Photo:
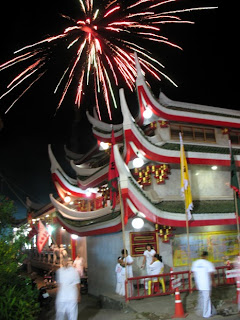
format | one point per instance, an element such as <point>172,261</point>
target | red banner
<point>43,236</point>
<point>112,176</point>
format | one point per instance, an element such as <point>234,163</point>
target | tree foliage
<point>17,298</point>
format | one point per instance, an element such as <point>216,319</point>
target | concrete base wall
<point>103,251</point>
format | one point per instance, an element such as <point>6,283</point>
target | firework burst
<point>102,42</point>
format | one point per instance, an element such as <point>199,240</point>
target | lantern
<point>166,239</point>
<point>136,171</point>
<point>161,233</point>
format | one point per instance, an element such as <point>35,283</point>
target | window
<point>234,136</point>
<point>190,133</point>
<point>198,134</point>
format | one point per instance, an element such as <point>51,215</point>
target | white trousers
<point>69,308</point>
<point>148,273</point>
<point>205,307</point>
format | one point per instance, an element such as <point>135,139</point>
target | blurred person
<point>237,269</point>
<point>79,265</point>
<point>203,272</point>
<point>68,294</point>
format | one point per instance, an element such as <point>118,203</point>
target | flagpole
<point>123,236</point>
<point>186,214</point>
<point>188,249</point>
<point>237,218</point>
<point>235,196</point>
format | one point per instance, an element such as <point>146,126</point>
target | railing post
<point>190,281</point>
<point>126,290</point>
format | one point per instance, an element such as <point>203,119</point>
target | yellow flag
<point>185,183</point>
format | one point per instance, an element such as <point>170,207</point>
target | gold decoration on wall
<point>159,172</point>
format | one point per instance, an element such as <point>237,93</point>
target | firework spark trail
<point>102,42</point>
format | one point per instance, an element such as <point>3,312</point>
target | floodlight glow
<point>88,193</point>
<point>147,113</point>
<point>138,162</point>
<point>137,223</point>
<point>67,199</point>
<point>50,229</point>
<point>104,145</point>
<point>214,167</point>
<point>74,236</point>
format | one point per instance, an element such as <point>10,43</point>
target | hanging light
<point>137,223</point>
<point>138,162</point>
<point>147,113</point>
<point>104,145</point>
<point>74,236</point>
<point>88,193</point>
<point>67,199</point>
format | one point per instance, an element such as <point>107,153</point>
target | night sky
<point>205,72</point>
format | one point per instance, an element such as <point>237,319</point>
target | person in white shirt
<point>129,270</point>
<point>79,265</point>
<point>68,294</point>
<point>203,271</point>
<point>118,270</point>
<point>129,262</point>
<point>121,277</point>
<point>156,267</point>
<point>237,269</point>
<point>147,260</point>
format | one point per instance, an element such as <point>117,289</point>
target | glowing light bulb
<point>147,113</point>
<point>138,162</point>
<point>137,223</point>
<point>67,199</point>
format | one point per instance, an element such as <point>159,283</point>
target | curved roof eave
<point>67,187</point>
<point>155,215</point>
<point>95,180</point>
<point>106,137</point>
<point>81,171</point>
<point>78,215</point>
<point>158,152</point>
<point>110,226</point>
<point>56,167</point>
<point>107,127</point>
<point>162,108</point>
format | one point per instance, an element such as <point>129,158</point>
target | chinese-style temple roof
<point>92,168</point>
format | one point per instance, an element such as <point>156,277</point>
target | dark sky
<point>205,72</point>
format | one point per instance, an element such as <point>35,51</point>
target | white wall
<point>102,252</point>
<point>205,184</point>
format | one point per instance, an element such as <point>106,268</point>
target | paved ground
<point>156,308</point>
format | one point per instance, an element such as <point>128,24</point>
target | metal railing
<point>164,284</point>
